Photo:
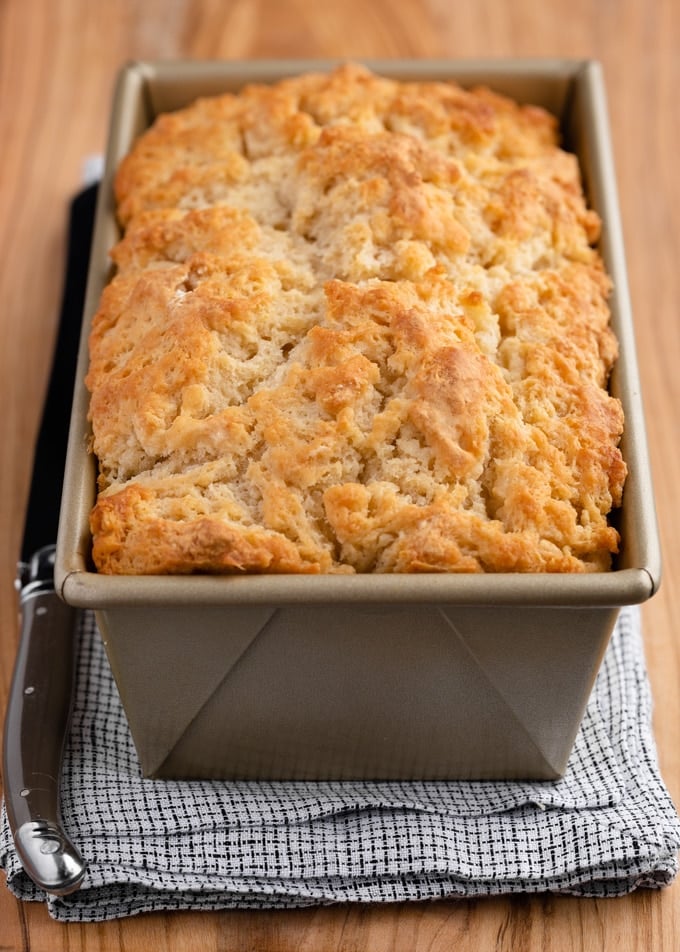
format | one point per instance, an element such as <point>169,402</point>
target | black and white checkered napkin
<point>606,828</point>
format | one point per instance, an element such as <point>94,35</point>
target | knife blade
<point>39,705</point>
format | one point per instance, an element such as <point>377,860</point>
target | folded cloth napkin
<point>606,828</point>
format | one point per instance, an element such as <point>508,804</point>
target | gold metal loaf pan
<point>375,676</point>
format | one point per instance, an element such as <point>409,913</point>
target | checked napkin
<point>606,828</point>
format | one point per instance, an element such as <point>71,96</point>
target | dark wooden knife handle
<point>36,723</point>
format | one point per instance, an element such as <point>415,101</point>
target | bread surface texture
<point>355,325</point>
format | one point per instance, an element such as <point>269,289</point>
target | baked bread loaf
<point>356,325</point>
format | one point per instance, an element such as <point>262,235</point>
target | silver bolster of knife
<point>36,723</point>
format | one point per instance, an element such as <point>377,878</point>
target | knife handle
<point>36,722</point>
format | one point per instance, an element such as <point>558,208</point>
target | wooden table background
<point>58,60</point>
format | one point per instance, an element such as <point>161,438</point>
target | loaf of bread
<point>355,325</point>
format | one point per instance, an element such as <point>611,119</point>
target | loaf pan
<point>365,676</point>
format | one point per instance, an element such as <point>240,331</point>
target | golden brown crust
<point>356,325</point>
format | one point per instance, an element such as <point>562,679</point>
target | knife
<point>38,710</point>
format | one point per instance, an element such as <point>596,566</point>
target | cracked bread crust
<point>356,325</point>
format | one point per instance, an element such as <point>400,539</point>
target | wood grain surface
<point>58,61</point>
